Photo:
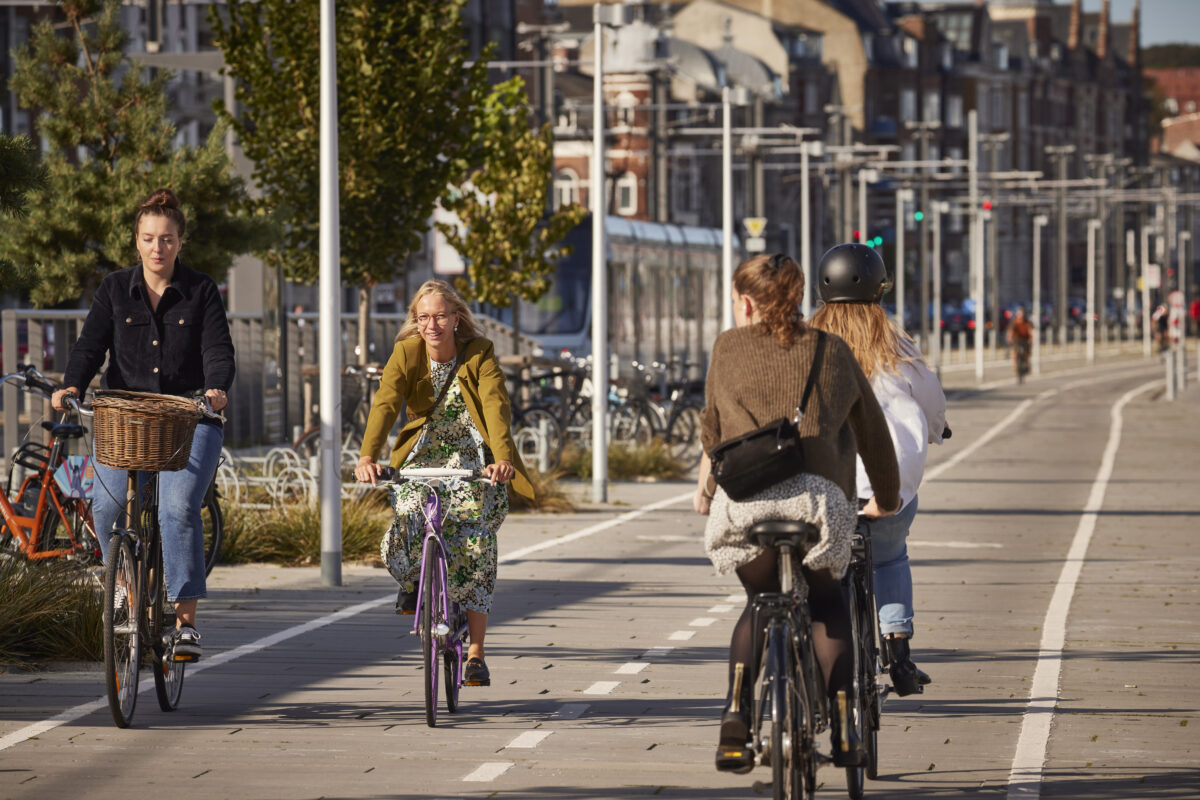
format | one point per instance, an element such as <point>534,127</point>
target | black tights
<point>830,621</point>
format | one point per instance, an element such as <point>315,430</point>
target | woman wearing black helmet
<point>851,279</point>
<point>757,373</point>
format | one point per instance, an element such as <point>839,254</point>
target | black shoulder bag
<point>768,455</point>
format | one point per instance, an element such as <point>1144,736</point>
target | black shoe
<point>923,677</point>
<point>848,750</point>
<point>905,675</point>
<point>734,753</point>
<point>476,673</point>
<point>187,644</point>
<point>406,602</point>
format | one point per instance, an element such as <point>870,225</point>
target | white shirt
<point>915,407</point>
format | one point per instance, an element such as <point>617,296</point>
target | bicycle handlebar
<point>392,474</point>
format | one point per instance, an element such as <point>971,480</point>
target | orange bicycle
<point>48,515</point>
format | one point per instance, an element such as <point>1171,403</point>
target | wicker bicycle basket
<point>143,431</point>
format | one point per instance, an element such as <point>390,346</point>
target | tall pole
<point>1093,230</point>
<point>899,268</point>
<point>1040,221</point>
<point>329,246</point>
<point>936,340</point>
<point>1146,348</point>
<point>1061,285</point>
<point>862,204</point>
<point>923,249</point>
<point>805,233</point>
<point>599,276</point>
<point>726,211</point>
<point>976,245</point>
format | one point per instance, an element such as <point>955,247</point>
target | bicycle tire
<point>630,424</point>
<point>122,630</point>
<point>777,675</point>
<point>79,520</point>
<point>452,683</point>
<point>214,528</point>
<point>683,436</point>
<point>857,711</point>
<point>168,673</point>
<point>429,650</point>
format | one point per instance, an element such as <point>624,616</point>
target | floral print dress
<point>471,510</point>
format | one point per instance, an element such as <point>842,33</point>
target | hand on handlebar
<point>500,472</point>
<point>367,470</point>
<point>217,399</point>
<point>57,400</point>
<point>872,509</point>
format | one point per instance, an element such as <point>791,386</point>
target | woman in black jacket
<point>163,328</point>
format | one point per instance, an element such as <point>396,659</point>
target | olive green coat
<point>406,381</point>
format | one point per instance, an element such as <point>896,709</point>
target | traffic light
<point>918,215</point>
<point>858,236</point>
<point>878,240</point>
<point>987,205</point>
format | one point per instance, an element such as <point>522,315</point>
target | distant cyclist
<point>1020,337</point>
<point>446,375</point>
<point>757,373</point>
<point>851,279</point>
<point>162,328</point>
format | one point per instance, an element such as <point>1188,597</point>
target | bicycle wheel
<point>214,528</point>
<point>683,436</point>
<point>453,673</point>
<point>777,677</point>
<point>856,713</point>
<point>630,424</point>
<point>122,624</point>
<point>55,535</point>
<point>168,673</point>
<point>431,599</point>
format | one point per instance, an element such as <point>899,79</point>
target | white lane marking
<point>602,687</point>
<point>517,555</point>
<point>702,622</point>
<point>736,598</point>
<point>570,711</point>
<point>1024,781</point>
<point>721,609</point>
<point>681,636</point>
<point>82,710</point>
<point>631,668</point>
<point>527,740</point>
<point>489,771</point>
<point>657,650</point>
<point>669,537</point>
<point>956,545</point>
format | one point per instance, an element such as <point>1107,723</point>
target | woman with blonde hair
<point>756,374</point>
<point>459,417</point>
<point>851,279</point>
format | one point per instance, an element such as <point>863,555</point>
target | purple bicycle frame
<point>453,640</point>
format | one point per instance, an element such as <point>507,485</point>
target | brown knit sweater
<point>753,379</point>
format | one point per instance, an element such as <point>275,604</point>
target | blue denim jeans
<point>893,578</point>
<point>180,496</point>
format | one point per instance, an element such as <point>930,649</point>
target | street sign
<point>754,226</point>
<point>756,244</point>
<point>1153,276</point>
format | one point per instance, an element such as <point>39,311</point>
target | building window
<point>933,106</point>
<point>954,111</point>
<point>566,188</point>
<point>627,194</point>
<point>955,154</point>
<point>908,105</point>
<point>812,98</point>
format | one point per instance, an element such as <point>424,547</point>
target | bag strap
<point>812,372</point>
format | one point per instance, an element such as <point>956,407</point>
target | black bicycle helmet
<point>851,273</point>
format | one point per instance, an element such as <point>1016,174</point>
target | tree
<point>508,241</point>
<point>19,174</point>
<point>110,144</point>
<point>406,104</point>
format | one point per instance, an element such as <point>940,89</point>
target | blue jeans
<point>893,578</point>
<point>180,497</point>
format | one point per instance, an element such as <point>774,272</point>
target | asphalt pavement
<point>1056,575</point>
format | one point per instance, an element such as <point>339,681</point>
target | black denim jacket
<point>182,347</point>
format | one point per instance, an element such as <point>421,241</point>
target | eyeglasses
<point>424,319</point>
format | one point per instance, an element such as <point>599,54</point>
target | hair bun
<point>160,198</point>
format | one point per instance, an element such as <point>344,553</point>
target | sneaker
<point>187,644</point>
<point>476,673</point>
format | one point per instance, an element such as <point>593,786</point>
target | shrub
<point>653,461</point>
<point>291,534</point>
<point>52,611</point>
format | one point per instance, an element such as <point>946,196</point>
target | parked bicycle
<point>356,392</point>
<point>40,519</point>
<point>146,433</point>
<point>440,622</point>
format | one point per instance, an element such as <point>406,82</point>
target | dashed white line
<point>570,711</point>
<point>489,771</point>
<point>681,636</point>
<point>631,668</point>
<point>657,650</point>
<point>602,687</point>
<point>702,622</point>
<point>956,545</point>
<point>527,740</point>
<point>721,609</point>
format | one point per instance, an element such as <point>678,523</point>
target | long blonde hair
<point>466,329</point>
<point>876,341</point>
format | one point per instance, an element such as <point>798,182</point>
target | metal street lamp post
<point>1040,221</point>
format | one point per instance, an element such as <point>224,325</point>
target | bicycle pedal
<point>182,658</point>
<point>125,629</point>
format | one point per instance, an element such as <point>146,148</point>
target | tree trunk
<point>364,324</point>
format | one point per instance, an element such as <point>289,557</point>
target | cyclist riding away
<point>164,330</point>
<point>1020,337</point>
<point>851,279</point>
<point>459,417</point>
<point>756,375</point>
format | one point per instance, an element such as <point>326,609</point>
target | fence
<point>267,398</point>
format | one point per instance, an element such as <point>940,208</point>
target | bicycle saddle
<point>776,532</point>
<point>64,431</point>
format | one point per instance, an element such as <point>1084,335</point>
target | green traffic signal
<point>918,215</point>
<point>878,240</point>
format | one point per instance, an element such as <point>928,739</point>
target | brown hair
<point>467,328</point>
<point>876,341</point>
<point>161,203</point>
<point>776,285</point>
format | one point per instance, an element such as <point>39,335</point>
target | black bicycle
<point>864,706</point>
<point>790,706</point>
